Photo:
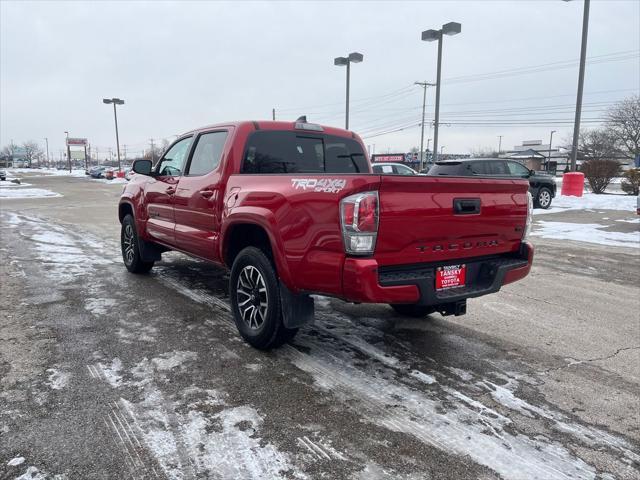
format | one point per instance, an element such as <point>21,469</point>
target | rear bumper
<point>364,281</point>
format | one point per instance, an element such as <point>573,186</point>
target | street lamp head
<point>355,57</point>
<point>106,100</point>
<point>118,101</point>
<point>430,35</point>
<point>341,61</point>
<point>451,28</point>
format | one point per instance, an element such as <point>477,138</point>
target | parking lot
<point>104,374</point>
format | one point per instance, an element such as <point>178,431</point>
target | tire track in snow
<point>511,455</point>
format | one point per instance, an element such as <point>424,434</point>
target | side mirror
<point>531,173</point>
<point>142,167</point>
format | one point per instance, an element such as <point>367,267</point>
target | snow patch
<point>100,306</point>
<point>14,462</point>
<point>172,360</point>
<point>585,232</point>
<point>111,373</point>
<point>590,201</point>
<point>57,379</point>
<point>12,193</point>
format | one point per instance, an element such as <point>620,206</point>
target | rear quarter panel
<point>301,216</point>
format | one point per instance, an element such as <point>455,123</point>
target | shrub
<point>631,183</point>
<point>599,173</point>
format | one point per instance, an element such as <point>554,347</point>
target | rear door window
<point>498,167</point>
<point>207,153</point>
<point>292,152</point>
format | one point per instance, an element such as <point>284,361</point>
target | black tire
<point>254,291</point>
<point>412,310</point>
<point>131,248</point>
<point>543,198</point>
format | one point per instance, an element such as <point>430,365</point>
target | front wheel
<point>543,199</point>
<point>131,248</point>
<point>412,310</point>
<point>254,291</point>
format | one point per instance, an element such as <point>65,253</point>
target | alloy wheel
<point>128,244</point>
<point>251,293</point>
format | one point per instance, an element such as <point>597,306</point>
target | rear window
<point>449,168</point>
<point>271,151</point>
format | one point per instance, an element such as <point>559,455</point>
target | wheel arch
<point>252,230</point>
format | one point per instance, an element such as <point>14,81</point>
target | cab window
<point>172,162</point>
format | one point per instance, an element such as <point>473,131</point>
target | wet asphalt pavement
<point>104,374</point>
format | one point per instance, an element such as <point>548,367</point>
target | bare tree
<point>484,152</point>
<point>32,152</point>
<point>623,120</point>
<point>597,144</point>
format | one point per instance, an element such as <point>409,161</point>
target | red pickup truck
<point>292,209</point>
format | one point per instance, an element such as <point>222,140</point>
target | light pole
<point>550,142</point>
<point>68,151</point>
<point>115,101</point>
<point>46,140</point>
<point>583,57</point>
<point>353,57</point>
<point>424,86</point>
<point>451,28</point>
<point>499,144</point>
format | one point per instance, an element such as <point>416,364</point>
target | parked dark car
<point>541,185</point>
<point>3,175</point>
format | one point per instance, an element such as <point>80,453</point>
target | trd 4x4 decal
<point>326,185</point>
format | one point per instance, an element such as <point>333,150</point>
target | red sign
<point>450,276</point>
<point>77,141</point>
<point>394,157</point>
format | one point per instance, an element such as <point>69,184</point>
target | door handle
<point>206,193</point>
<point>170,190</point>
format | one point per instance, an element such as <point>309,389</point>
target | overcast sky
<point>184,65</point>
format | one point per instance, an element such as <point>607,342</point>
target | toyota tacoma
<point>293,209</point>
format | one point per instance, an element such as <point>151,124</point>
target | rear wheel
<point>543,199</point>
<point>254,290</point>
<point>130,247</point>
<point>412,310</point>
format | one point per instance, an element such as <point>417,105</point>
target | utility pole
<point>273,114</point>
<point>47,142</point>
<point>550,142</point>
<point>499,144</point>
<point>424,86</point>
<point>153,154</point>
<point>68,151</point>
<point>583,56</point>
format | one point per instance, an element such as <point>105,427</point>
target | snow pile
<point>48,171</point>
<point>26,193</point>
<point>590,201</point>
<point>586,232</point>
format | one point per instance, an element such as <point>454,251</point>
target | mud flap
<point>297,310</point>
<point>149,252</point>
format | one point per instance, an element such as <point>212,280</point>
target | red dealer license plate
<point>450,276</point>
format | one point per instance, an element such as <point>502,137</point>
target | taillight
<point>359,219</point>
<point>527,227</point>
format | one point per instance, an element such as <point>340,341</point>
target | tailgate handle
<point>466,206</point>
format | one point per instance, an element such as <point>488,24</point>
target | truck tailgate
<point>432,219</point>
